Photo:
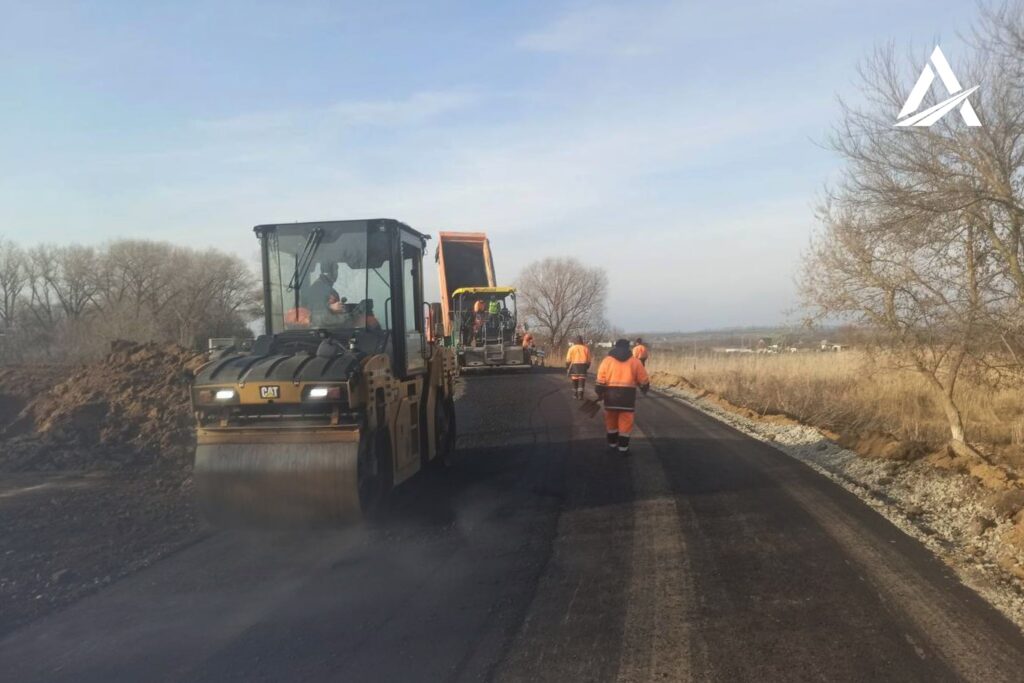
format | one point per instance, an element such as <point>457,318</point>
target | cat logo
<point>271,391</point>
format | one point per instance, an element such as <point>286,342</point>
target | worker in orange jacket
<point>577,363</point>
<point>640,351</point>
<point>479,318</point>
<point>620,375</point>
<point>529,348</point>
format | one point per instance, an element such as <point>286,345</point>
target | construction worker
<point>493,307</point>
<point>479,318</point>
<point>321,298</point>
<point>577,362</point>
<point>640,351</point>
<point>529,347</point>
<point>618,378</point>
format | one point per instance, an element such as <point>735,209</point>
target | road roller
<point>347,394</point>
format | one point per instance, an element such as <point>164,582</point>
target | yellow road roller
<point>345,396</point>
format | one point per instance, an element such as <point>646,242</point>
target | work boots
<point>577,389</point>
<point>619,442</point>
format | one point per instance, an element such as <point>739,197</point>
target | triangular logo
<point>957,96</point>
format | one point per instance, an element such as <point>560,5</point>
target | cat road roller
<point>345,396</point>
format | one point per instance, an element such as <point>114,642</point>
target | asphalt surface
<point>542,556</point>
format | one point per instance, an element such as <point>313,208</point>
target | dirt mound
<point>883,446</point>
<point>660,378</point>
<point>21,383</point>
<point>96,476</point>
<point>132,405</point>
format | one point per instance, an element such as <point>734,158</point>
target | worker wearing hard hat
<point>577,362</point>
<point>618,378</point>
<point>640,351</point>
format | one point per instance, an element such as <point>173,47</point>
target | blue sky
<point>674,143</point>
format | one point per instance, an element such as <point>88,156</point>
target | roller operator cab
<point>343,398</point>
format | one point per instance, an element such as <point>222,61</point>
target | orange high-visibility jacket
<point>640,352</point>
<point>578,353</point>
<point>617,382</point>
<point>578,360</point>
<point>527,340</point>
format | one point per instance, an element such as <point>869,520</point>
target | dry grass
<point>849,392</point>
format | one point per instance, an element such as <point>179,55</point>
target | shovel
<point>590,407</point>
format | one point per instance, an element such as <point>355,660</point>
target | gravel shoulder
<point>963,521</point>
<point>67,535</point>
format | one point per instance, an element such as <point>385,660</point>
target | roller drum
<point>275,484</point>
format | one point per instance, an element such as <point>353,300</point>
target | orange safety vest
<point>617,381</point>
<point>527,340</point>
<point>578,360</point>
<point>640,352</point>
<point>578,353</point>
<point>297,317</point>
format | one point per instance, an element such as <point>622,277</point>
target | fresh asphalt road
<point>543,556</point>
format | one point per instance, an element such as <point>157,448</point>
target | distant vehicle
<point>480,319</point>
<point>484,329</point>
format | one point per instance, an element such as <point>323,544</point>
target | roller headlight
<point>323,393</point>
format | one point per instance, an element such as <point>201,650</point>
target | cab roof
<point>484,290</point>
<point>344,224</point>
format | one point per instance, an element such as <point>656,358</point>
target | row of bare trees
<point>921,237</point>
<point>561,298</point>
<point>68,302</point>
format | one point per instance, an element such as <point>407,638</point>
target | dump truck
<point>487,338</point>
<point>342,398</point>
<point>463,260</point>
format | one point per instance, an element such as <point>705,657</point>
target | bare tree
<point>948,169</point>
<point>210,290</point>
<point>69,302</point>
<point>561,297</point>
<point>921,238</point>
<point>43,310</point>
<point>922,288</point>
<point>75,283</point>
<point>13,279</point>
<point>136,275</point>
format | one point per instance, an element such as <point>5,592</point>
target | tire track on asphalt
<point>660,595</point>
<point>573,626</point>
<point>932,612</point>
<point>967,644</point>
<point>773,542</point>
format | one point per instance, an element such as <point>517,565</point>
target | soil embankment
<point>95,465</point>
